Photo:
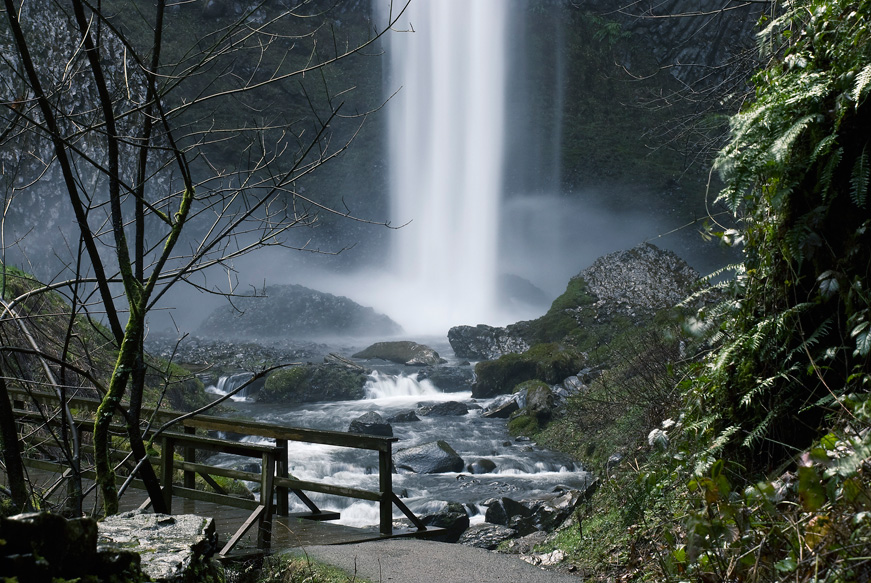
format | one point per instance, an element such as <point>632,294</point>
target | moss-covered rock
<point>539,398</point>
<point>313,382</point>
<point>523,424</point>
<point>402,352</point>
<point>550,363</point>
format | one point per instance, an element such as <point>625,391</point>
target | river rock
<point>402,352</point>
<point>371,423</point>
<point>435,457</point>
<point>481,466</point>
<point>550,363</point>
<point>408,416</point>
<point>449,379</point>
<point>544,513</point>
<point>446,409</point>
<point>484,342</point>
<point>486,536</point>
<point>294,311</point>
<point>172,548</point>
<point>310,383</point>
<point>452,518</point>
<point>501,409</point>
<point>538,398</point>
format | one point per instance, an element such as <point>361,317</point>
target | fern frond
<point>783,144</point>
<point>859,179</point>
<point>863,81</point>
<point>759,431</point>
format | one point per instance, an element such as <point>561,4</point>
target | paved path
<point>402,560</point>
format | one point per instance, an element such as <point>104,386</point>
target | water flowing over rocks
<point>171,547</point>
<point>402,352</point>
<point>294,311</point>
<point>435,457</point>
<point>450,379</point>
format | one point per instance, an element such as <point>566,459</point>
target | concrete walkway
<point>402,560</point>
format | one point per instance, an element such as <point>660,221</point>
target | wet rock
<point>450,379</point>
<point>486,536</point>
<point>550,363</point>
<point>404,417</point>
<point>539,401</point>
<point>172,547</point>
<point>402,352</point>
<point>484,342</point>
<point>446,409</point>
<point>371,423</point>
<point>313,382</point>
<point>501,409</point>
<point>434,457</point>
<point>452,518</point>
<point>481,466</point>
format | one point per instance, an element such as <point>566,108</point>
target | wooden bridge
<point>36,413</point>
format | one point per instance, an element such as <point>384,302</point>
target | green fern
<point>859,179</point>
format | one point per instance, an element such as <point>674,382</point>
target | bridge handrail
<point>274,475</point>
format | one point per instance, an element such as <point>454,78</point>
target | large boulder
<point>445,409</point>
<point>449,379</point>
<point>371,423</point>
<point>435,457</point>
<point>550,363</point>
<point>452,518</point>
<point>544,513</point>
<point>484,342</point>
<point>402,352</point>
<point>313,382</point>
<point>294,311</point>
<point>174,549</point>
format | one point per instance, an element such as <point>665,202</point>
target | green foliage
<point>292,568</point>
<point>795,330</point>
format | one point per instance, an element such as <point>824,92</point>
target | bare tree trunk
<point>12,450</point>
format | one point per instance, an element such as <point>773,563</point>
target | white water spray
<point>446,156</point>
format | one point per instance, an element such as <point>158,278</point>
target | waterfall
<point>446,156</point>
<point>229,383</point>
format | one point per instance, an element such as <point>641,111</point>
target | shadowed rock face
<point>294,311</point>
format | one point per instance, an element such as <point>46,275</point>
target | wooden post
<point>190,478</point>
<point>385,487</point>
<point>281,471</point>
<point>267,491</point>
<point>166,471</point>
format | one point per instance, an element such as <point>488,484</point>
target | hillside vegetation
<point>757,464</point>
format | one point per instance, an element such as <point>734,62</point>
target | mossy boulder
<point>539,398</point>
<point>550,363</point>
<point>523,424</point>
<point>402,352</point>
<point>313,382</point>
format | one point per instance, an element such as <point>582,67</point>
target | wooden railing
<point>276,484</point>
